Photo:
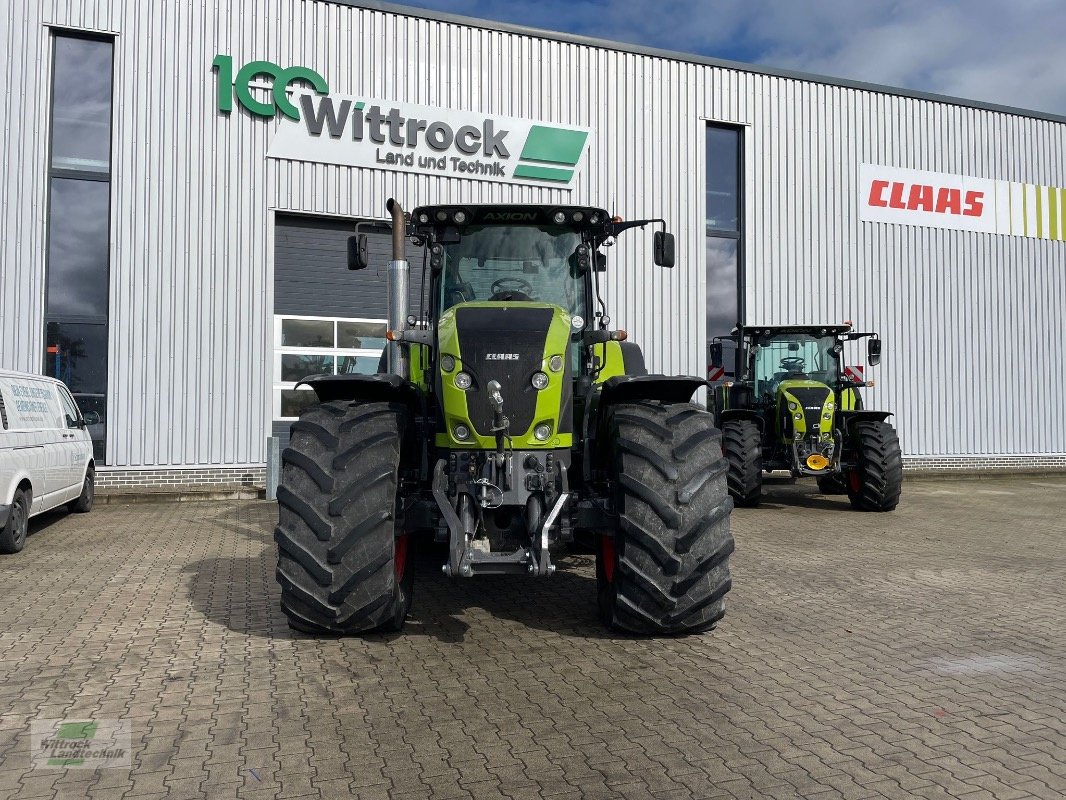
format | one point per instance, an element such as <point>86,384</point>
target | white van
<point>46,454</point>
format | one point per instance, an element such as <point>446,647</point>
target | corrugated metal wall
<point>193,195</point>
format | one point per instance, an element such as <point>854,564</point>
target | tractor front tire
<point>875,483</point>
<point>666,569</point>
<point>742,446</point>
<point>342,560</point>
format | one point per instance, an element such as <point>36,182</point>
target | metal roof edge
<point>691,58</point>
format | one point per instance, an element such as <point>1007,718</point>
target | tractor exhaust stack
<point>399,275</point>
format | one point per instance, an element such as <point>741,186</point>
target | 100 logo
<point>239,87</point>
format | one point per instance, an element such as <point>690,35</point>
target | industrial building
<point>180,180</point>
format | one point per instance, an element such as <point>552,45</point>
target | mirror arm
<point>615,228</point>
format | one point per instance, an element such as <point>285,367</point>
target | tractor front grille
<point>811,400</point>
<point>504,344</point>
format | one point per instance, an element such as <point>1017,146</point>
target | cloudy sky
<point>999,51</point>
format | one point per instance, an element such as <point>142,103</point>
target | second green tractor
<point>796,407</point>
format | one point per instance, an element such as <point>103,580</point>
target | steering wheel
<point>511,289</point>
<point>793,364</point>
<point>501,285</point>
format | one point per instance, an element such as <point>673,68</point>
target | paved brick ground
<point>919,654</point>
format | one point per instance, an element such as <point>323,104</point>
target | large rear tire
<point>876,482</point>
<point>742,446</point>
<point>666,569</point>
<point>342,559</point>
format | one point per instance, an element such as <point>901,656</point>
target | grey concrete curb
<point>105,497</point>
<point>992,475</point>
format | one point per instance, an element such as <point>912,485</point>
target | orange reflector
<point>848,322</point>
<point>620,335</point>
<point>871,383</point>
<point>392,336</point>
<point>817,461</point>
<point>53,349</point>
<point>616,219</point>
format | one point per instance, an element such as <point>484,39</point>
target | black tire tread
<point>742,445</point>
<point>336,525</point>
<point>673,541</point>
<point>880,467</point>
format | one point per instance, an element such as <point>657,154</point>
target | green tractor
<point>506,418</point>
<point>796,407</point>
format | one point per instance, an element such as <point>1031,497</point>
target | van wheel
<point>13,536</point>
<point>84,504</point>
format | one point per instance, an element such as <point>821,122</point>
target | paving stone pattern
<point>918,654</point>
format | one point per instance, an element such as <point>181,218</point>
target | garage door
<point>327,319</point>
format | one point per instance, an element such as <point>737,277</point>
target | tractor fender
<point>746,414</point>
<point>380,388</point>
<point>628,389</point>
<point>849,418</point>
<point>668,388</point>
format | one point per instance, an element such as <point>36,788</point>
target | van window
<point>32,404</point>
<point>3,411</point>
<point>70,410</point>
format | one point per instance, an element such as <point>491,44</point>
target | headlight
<point>539,380</point>
<point>578,216</point>
<point>462,433</point>
<point>542,432</point>
<point>827,415</point>
<point>798,415</point>
<point>423,218</point>
<point>463,381</point>
<point>460,217</point>
<point>829,405</point>
<point>555,363</point>
<point>447,363</point>
<point>559,218</point>
<point>791,406</point>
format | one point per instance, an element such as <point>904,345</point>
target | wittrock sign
<point>319,126</point>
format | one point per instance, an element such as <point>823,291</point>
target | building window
<point>79,202</point>
<point>724,224</point>
<point>306,346</point>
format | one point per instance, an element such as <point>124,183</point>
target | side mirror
<point>663,248</point>
<point>599,262</point>
<point>716,354</point>
<point>873,352</point>
<point>357,252</point>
